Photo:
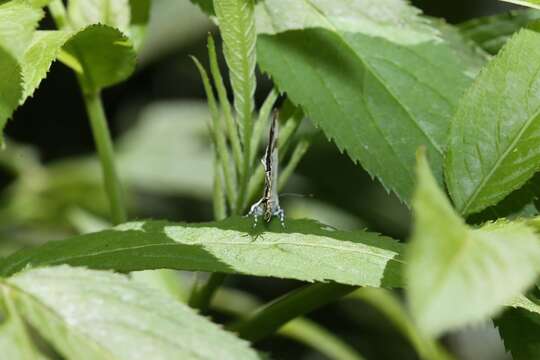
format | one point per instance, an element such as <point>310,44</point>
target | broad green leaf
<point>305,250</point>
<point>520,331</point>
<point>457,275</point>
<point>115,13</point>
<point>88,314</point>
<point>18,21</point>
<point>492,32</point>
<point>372,18</point>
<point>11,87</point>
<point>464,48</point>
<point>378,93</point>
<point>494,136</point>
<point>38,58</point>
<point>103,54</point>
<point>529,3</point>
<point>389,305</point>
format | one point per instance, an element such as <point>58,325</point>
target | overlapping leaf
<point>520,330</point>
<point>103,53</point>
<point>376,78</point>
<point>495,138</point>
<point>457,275</point>
<point>17,23</point>
<point>305,250</point>
<point>529,3</point>
<point>88,314</point>
<point>492,32</point>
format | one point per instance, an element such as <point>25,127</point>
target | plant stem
<point>58,13</point>
<point>201,298</point>
<point>297,155</point>
<point>269,318</point>
<point>104,145</point>
<point>305,331</point>
<point>100,130</point>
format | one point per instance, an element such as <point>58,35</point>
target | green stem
<point>305,331</point>
<point>58,13</point>
<point>104,145</point>
<point>297,155</point>
<point>269,318</point>
<point>220,210</point>
<point>201,298</point>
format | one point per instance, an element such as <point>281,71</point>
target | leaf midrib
<point>499,161</point>
<point>377,76</point>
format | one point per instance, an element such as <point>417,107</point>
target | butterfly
<point>268,205</point>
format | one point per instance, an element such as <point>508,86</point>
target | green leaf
<point>494,137</point>
<point>103,54</point>
<point>89,314</point>
<point>492,32</point>
<point>11,87</point>
<point>237,28</point>
<point>520,330</point>
<point>18,21</point>
<point>38,58</point>
<point>379,93</point>
<point>305,250</point>
<point>529,3</point>
<point>115,13</point>
<point>457,275</point>
<point>376,19</point>
<point>15,342</point>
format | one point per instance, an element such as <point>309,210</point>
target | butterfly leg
<point>281,214</point>
<point>256,210</point>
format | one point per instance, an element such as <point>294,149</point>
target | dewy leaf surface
<point>495,137</point>
<point>305,250</point>
<point>457,275</point>
<point>376,92</point>
<point>87,314</point>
